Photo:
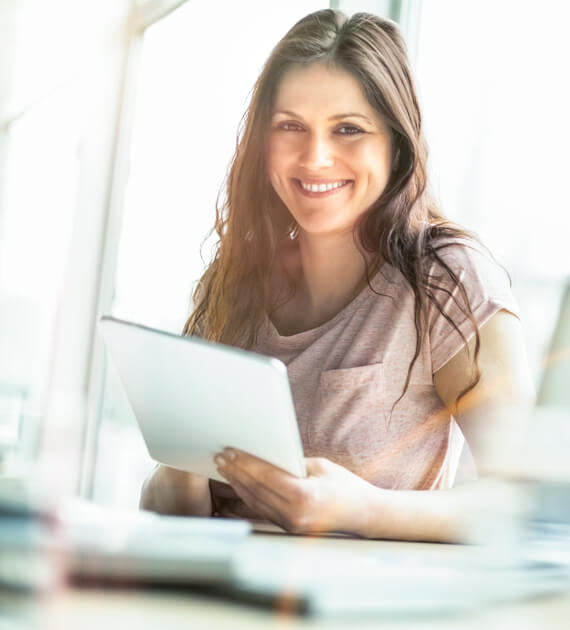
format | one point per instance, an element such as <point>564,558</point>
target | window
<point>57,116</point>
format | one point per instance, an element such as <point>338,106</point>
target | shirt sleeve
<point>487,287</point>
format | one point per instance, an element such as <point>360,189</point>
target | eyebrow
<point>335,117</point>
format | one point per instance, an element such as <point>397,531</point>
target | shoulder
<point>463,253</point>
<point>468,287</point>
<point>467,264</point>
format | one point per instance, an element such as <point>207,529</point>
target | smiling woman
<point>399,331</point>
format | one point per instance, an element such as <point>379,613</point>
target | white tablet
<point>192,398</point>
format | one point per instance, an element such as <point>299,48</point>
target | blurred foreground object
<point>43,544</point>
<point>27,530</point>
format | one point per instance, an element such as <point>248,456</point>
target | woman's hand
<point>330,498</point>
<point>171,491</point>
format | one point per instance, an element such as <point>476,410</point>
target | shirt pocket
<point>349,414</point>
<point>347,379</point>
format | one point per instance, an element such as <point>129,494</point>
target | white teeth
<point>322,187</point>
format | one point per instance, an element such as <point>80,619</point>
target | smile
<point>322,187</point>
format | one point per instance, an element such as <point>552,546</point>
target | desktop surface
<point>122,606</point>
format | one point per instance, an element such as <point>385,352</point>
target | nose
<point>316,152</point>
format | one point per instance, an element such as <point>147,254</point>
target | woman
<point>396,326</point>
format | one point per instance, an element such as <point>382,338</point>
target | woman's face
<point>328,150</point>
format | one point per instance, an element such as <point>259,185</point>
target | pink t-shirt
<point>346,374</point>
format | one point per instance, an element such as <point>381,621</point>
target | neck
<point>333,273</point>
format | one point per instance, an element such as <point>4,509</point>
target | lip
<point>326,193</point>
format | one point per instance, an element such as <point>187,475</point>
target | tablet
<point>192,398</point>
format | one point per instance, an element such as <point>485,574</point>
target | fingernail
<point>220,460</point>
<point>230,454</point>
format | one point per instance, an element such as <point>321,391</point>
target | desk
<point>69,608</point>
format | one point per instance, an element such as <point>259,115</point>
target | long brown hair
<point>403,227</point>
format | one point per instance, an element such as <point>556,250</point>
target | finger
<point>255,503</point>
<point>254,486</point>
<point>279,481</point>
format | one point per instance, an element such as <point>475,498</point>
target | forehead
<point>318,87</point>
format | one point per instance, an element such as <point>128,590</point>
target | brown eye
<point>290,126</point>
<point>349,130</point>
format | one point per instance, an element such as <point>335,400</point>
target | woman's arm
<point>171,491</point>
<point>505,386</point>
<point>333,499</point>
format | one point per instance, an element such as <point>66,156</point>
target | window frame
<point>140,18</point>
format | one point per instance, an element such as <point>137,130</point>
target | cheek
<point>280,159</point>
<point>376,160</point>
